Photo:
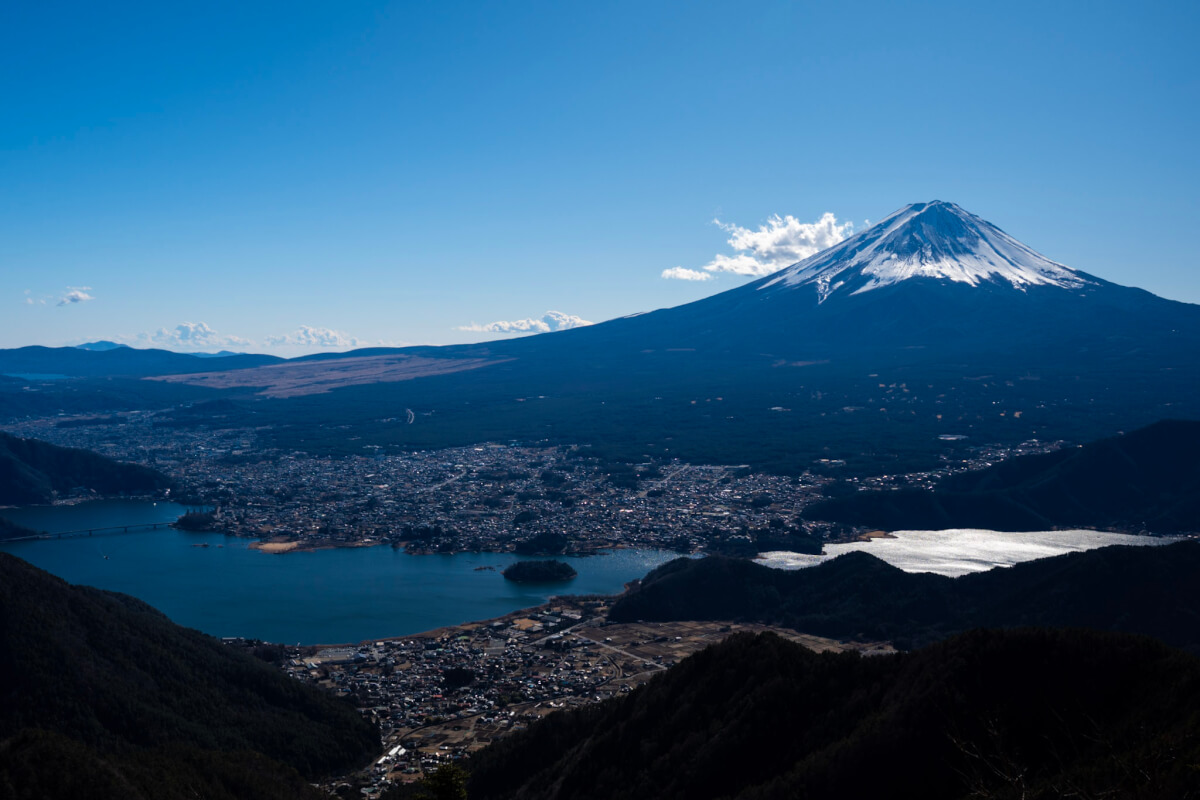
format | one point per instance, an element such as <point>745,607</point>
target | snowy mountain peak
<point>935,240</point>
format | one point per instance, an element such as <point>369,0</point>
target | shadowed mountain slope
<point>1143,590</point>
<point>1145,480</point>
<point>100,681</point>
<point>998,714</point>
<point>31,471</point>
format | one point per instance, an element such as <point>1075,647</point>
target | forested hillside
<point>31,471</point>
<point>996,714</point>
<point>102,696</point>
<point>1146,590</point>
<point>1145,480</point>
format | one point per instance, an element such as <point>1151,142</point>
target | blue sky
<point>289,176</point>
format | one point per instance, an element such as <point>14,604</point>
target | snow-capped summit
<point>935,240</point>
<point>929,282</point>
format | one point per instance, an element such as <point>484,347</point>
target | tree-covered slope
<point>1145,480</point>
<point>11,530</point>
<point>40,765</point>
<point>115,680</point>
<point>1146,590</point>
<point>32,470</point>
<point>997,714</point>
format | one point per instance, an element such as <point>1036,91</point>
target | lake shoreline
<point>953,552</point>
<point>229,589</point>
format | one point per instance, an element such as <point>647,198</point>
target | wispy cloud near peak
<point>550,321</point>
<point>781,242</point>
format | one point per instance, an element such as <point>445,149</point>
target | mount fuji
<point>931,241</point>
<point>880,353</point>
<point>928,281</point>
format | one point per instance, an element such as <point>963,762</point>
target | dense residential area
<point>440,696</point>
<point>490,497</point>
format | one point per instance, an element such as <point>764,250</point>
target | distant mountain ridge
<point>91,361</point>
<point>100,346</point>
<point>1146,480</point>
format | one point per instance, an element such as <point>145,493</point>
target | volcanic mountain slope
<point>930,322</point>
<point>929,280</point>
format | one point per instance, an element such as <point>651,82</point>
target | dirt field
<point>315,377</point>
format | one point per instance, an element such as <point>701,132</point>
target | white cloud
<point>550,321</point>
<point>780,243</point>
<point>685,274</point>
<point>309,336</point>
<point>191,336</point>
<point>75,294</point>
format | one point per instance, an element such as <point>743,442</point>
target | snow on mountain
<point>936,240</point>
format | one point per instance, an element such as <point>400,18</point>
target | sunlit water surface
<point>959,551</point>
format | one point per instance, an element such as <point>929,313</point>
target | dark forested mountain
<point>1145,480</point>
<point>1145,590</point>
<point>31,471</point>
<point>11,530</point>
<point>997,714</point>
<point>101,696</point>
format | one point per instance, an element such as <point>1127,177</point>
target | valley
<point>489,497</point>
<point>448,693</point>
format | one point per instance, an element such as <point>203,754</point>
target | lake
<point>959,551</point>
<point>95,514</point>
<point>319,597</point>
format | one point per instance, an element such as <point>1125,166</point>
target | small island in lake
<point>539,571</point>
<point>198,521</point>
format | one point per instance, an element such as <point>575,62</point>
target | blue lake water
<point>94,514</point>
<point>319,597</point>
<point>37,376</point>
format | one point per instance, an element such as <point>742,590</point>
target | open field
<point>294,379</point>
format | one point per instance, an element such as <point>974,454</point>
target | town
<point>486,498</point>
<point>441,695</point>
